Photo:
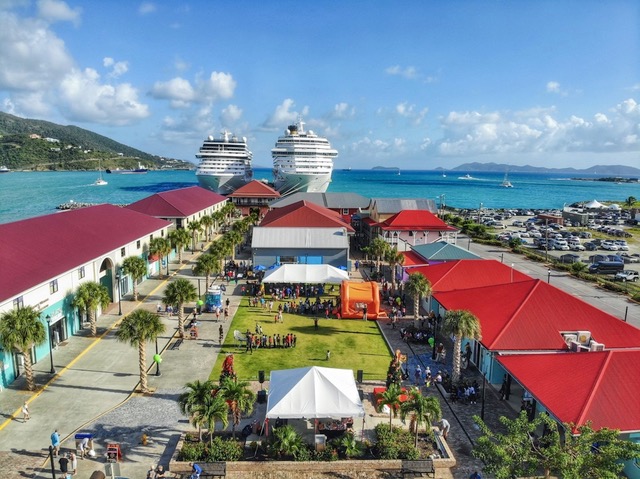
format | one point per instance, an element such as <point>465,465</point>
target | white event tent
<point>313,393</point>
<point>594,205</point>
<point>306,273</point>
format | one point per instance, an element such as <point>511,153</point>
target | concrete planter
<point>353,468</point>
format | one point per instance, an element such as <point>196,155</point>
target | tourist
<point>84,447</point>
<point>440,353</point>
<point>64,465</point>
<point>418,375</point>
<point>221,334</point>
<point>73,463</point>
<point>55,442</point>
<point>444,428</point>
<point>196,470</point>
<point>364,312</point>
<point>328,355</point>
<point>25,412</point>
<point>467,356</point>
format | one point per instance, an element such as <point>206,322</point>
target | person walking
<point>418,375</point>
<point>64,465</point>
<point>444,428</point>
<point>328,356</point>
<point>73,463</point>
<point>25,412</point>
<point>364,312</point>
<point>221,334</point>
<point>55,442</point>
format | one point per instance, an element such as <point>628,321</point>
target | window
<point>123,252</point>
<point>138,244</point>
<point>345,211</point>
<point>18,303</point>
<point>53,286</point>
<point>81,272</point>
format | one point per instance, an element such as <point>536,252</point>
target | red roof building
<point>600,387</point>
<point>415,227</point>
<point>254,196</point>
<point>36,250</point>
<point>305,214</point>
<point>467,273</point>
<point>533,316</point>
<point>182,206</point>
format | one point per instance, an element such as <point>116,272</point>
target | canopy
<point>305,273</point>
<point>592,205</point>
<point>313,392</point>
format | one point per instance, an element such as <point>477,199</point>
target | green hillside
<point>76,148</point>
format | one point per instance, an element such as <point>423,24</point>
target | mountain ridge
<point>602,170</point>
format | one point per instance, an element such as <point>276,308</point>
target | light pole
<point>512,272</point>
<point>53,465</point>
<point>549,275</point>
<point>469,244</point>
<point>156,357</point>
<point>53,370</point>
<point>118,277</point>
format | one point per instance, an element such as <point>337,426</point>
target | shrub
<point>191,451</point>
<point>224,450</point>
<point>394,444</point>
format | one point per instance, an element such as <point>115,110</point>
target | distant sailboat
<point>100,181</point>
<point>444,175</point>
<point>505,182</point>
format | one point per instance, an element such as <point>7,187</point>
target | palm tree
<point>630,201</point>
<point>286,441</point>
<point>378,248</point>
<point>194,227</point>
<point>179,238</point>
<point>461,324</point>
<point>137,329</point>
<point>160,247</point>
<point>206,265</point>
<point>136,267</point>
<point>21,330</point>
<point>218,218</point>
<point>390,397</point>
<point>239,397</point>
<point>418,286</point>
<point>207,222</point>
<point>393,257</point>
<point>234,238</point>
<point>422,409</point>
<point>89,296</point>
<point>214,408</point>
<point>178,293</point>
<point>191,400</point>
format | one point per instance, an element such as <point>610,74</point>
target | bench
<point>176,345</point>
<point>418,468</point>
<point>214,469</point>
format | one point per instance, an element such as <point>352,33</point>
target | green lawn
<point>353,344</point>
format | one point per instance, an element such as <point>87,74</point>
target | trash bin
<point>262,397</point>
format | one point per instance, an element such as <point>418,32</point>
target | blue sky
<point>415,84</point>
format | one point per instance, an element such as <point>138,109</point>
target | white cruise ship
<point>225,163</point>
<point>302,161</point>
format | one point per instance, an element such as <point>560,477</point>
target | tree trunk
<point>416,307</point>
<point>457,346</point>
<point>142,363</point>
<point>28,370</point>
<point>92,322</point>
<point>135,290</point>
<point>181,320</point>
<point>180,254</point>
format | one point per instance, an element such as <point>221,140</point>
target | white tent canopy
<point>313,392</point>
<point>595,204</point>
<point>306,273</point>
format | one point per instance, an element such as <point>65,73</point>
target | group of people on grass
<point>261,340</point>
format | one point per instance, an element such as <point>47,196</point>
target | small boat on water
<point>467,177</point>
<point>4,169</point>
<point>505,182</point>
<point>444,175</point>
<point>100,181</point>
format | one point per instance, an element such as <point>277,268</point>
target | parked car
<point>610,246</point>
<point>606,267</point>
<point>569,258</point>
<point>591,246</point>
<point>576,247</point>
<point>627,275</point>
<point>627,258</point>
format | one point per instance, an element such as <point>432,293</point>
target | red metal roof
<point>255,189</point>
<point>600,387</point>
<point>40,249</point>
<point>468,273</point>
<point>532,315</point>
<point>415,220</point>
<point>412,258</point>
<point>177,203</point>
<point>305,214</point>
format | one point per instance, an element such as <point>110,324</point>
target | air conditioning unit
<point>569,338</point>
<point>595,346</point>
<point>574,346</point>
<point>584,337</point>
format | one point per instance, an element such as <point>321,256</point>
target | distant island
<point>609,171</point>
<point>392,168</point>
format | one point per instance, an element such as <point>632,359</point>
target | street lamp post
<point>118,277</point>
<point>549,275</point>
<point>53,370</point>
<point>53,464</point>
<point>469,244</point>
<point>158,373</point>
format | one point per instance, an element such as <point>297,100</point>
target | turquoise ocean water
<point>27,194</point>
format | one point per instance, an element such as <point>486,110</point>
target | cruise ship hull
<point>222,184</point>
<point>288,183</point>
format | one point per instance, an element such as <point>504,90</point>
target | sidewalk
<point>96,377</point>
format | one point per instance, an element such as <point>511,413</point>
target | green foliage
<point>88,297</point>
<point>217,450</point>
<point>394,443</point>
<point>285,442</point>
<point>192,451</point>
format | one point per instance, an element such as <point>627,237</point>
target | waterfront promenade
<point>94,386</point>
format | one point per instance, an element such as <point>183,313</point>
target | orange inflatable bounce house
<point>355,295</point>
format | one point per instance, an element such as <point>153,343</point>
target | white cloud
<point>32,57</point>
<point>284,116</point>
<point>230,115</point>
<point>472,133</point>
<point>410,112</point>
<point>182,93</point>
<point>410,72</point>
<point>342,110</point>
<point>146,8</point>
<point>553,87</point>
<point>84,98</point>
<point>178,90</point>
<point>218,85</point>
<point>117,68</point>
<point>55,11</point>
